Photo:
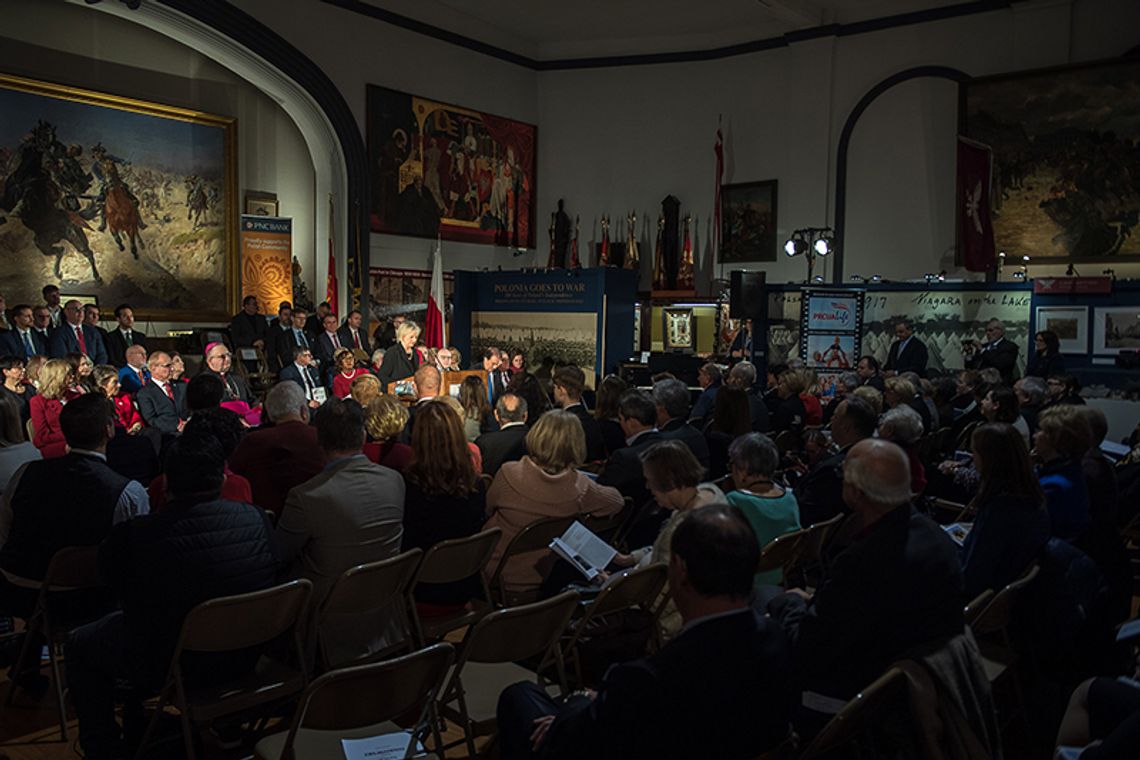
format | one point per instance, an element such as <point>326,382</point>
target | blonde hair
<point>900,386</point>
<point>34,366</point>
<point>406,328</point>
<point>793,382</point>
<point>872,396</point>
<point>385,417</point>
<point>451,403</point>
<point>364,388</point>
<point>557,442</point>
<point>54,378</point>
<point>1067,429</point>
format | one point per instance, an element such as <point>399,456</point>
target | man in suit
<point>709,377</point>
<point>352,333</point>
<point>75,336</point>
<point>727,660</point>
<point>162,403</point>
<point>671,398</point>
<point>637,415</point>
<point>328,341</point>
<point>135,374</point>
<point>41,324</point>
<point>301,372</point>
<point>248,329</point>
<point>279,338</point>
<point>123,336</point>
<point>278,458</point>
<point>867,369</point>
<point>508,443</point>
<point>491,362</point>
<point>23,340</point>
<point>91,317</point>
<point>568,383</point>
<point>907,353</point>
<point>819,491</point>
<point>996,352</point>
<point>51,297</point>
<point>296,335</point>
<point>743,376</point>
<point>349,514</point>
<point>897,585</point>
<point>316,321</point>
<point>427,381</point>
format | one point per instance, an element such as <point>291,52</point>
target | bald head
<point>427,380</point>
<point>876,479</point>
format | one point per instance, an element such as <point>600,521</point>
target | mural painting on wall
<point>129,200</point>
<point>748,222</point>
<point>1066,159</point>
<point>403,291</point>
<point>443,169</point>
<point>942,319</point>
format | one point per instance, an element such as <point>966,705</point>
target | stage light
<point>824,245</point>
<point>796,245</point>
<point>818,279</point>
<point>1025,258</point>
<point>1019,275</point>
<point>876,278</point>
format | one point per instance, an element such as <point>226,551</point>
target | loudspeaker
<point>746,295</point>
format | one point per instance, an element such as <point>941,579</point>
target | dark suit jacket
<point>503,445</point>
<point>236,387</point>
<point>1046,366</point>
<point>623,469</point>
<point>323,350</point>
<point>292,373</point>
<point>12,345</point>
<point>278,347</point>
<point>117,346</point>
<point>913,359</point>
<point>595,444</point>
<point>397,366</point>
<point>679,430</point>
<point>876,382</point>
<point>1002,357</point>
<point>346,338</point>
<point>758,412</point>
<point>63,341</point>
<point>286,342</point>
<point>819,492</point>
<point>663,706</point>
<point>244,329</point>
<point>158,411</point>
<point>898,585</point>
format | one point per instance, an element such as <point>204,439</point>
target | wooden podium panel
<point>456,379</point>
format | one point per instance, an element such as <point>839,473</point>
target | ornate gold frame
<point>229,126</point>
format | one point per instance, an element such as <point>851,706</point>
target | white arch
<point>329,165</point>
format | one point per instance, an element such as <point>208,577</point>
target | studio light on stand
<point>811,242</point>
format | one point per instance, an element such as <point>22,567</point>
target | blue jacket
<point>1067,498</point>
<point>1007,536</point>
<point>63,341</point>
<point>129,379</point>
<point>12,345</point>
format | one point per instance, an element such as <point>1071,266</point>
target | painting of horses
<point>129,200</point>
<point>1066,147</point>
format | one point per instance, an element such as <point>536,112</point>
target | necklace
<point>348,375</point>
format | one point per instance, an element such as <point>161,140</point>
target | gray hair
<point>744,373</point>
<point>713,371</point>
<point>915,380</point>
<point>673,397</point>
<point>377,356</point>
<point>511,412</point>
<point>996,323</point>
<point>285,399</point>
<point>865,474</point>
<point>901,424</point>
<point>990,376</point>
<point>1033,388</point>
<point>850,380</point>
<point>755,454</point>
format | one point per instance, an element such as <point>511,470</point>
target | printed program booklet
<point>582,549</point>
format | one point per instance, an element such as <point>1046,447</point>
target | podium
<point>404,389</point>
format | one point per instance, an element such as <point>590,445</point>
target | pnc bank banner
<point>267,260</point>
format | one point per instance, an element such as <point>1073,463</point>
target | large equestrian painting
<point>1066,160</point>
<point>445,170</point>
<point>129,200</point>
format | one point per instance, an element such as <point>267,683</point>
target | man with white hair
<point>897,585</point>
<point>903,426</point>
<point>996,352</point>
<point>1030,396</point>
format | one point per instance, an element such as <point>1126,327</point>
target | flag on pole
<point>718,149</point>
<point>975,228</point>
<point>434,333</point>
<point>330,282</point>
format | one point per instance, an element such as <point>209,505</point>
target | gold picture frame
<point>145,208</point>
<point>678,333</point>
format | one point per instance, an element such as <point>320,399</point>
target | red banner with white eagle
<point>975,228</point>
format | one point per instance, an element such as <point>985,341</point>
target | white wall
<point>69,44</point>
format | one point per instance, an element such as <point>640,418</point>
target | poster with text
<point>267,260</point>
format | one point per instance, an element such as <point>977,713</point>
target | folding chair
<point>487,660</point>
<point>971,611</point>
<point>886,694</point>
<point>534,537</point>
<point>991,628</point>
<point>31,430</point>
<point>230,624</point>
<point>447,562</point>
<point>72,569</point>
<point>811,550</point>
<point>364,701</point>
<point>781,552</point>
<point>375,589</point>
<point>632,589</point>
<point>487,480</point>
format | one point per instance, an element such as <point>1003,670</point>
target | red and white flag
<point>434,334</point>
<point>330,280</point>
<point>975,228</point>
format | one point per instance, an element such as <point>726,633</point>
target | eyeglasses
<point>167,366</point>
<point>223,356</point>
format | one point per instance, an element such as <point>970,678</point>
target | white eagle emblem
<point>973,201</point>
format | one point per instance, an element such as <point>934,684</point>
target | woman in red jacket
<point>55,378</point>
<point>127,414</point>
<point>346,372</point>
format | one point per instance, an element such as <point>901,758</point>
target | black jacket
<point>236,388</point>
<point>1045,366</point>
<point>117,345</point>
<point>913,359</point>
<point>397,366</point>
<point>595,444</point>
<point>429,519</point>
<point>679,430</point>
<point>758,412</point>
<point>819,493</point>
<point>1002,357</point>
<point>501,446</point>
<point>244,329</point>
<point>623,469</point>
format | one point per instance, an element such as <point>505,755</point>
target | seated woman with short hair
<point>384,419</point>
<point>544,483</point>
<point>346,371</point>
<point>770,508</point>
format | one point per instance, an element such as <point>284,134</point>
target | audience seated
<point>897,585</point>
<point>1102,541</point>
<point>1000,405</point>
<point>134,374</point>
<point>869,372</point>
<point>789,412</point>
<point>872,397</point>
<point>709,377</point>
<point>351,513</point>
<point>476,408</point>
<point>1103,719</point>
<point>15,450</point>
<point>526,385</point>
<point>81,378</point>
<point>1011,524</point>
<point>769,507</point>
<point>743,376</point>
<point>901,392</point>
<point>730,420</point>
<point>813,408</point>
<point>127,417</point>
<point>219,362</point>
<point>71,500</point>
<point>161,401</point>
<point>637,413</point>
<point>819,493</point>
<point>345,372</point>
<point>1030,396</point>
<point>45,407</point>
<point>844,384</point>
<point>568,384</point>
<point>275,459</point>
<point>508,443</point>
<point>13,385</point>
<point>452,403</point>
<point>544,483</point>
<point>224,427</point>
<point>671,397</point>
<point>133,450</point>
<point>1062,390</point>
<point>385,419</point>
<point>302,373</point>
<point>903,427</point>
<point>1062,439</point>
<point>427,381</point>
<point>365,388</point>
<point>161,566</point>
<point>444,498</point>
<point>609,394</point>
<point>726,661</point>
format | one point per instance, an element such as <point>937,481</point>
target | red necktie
<point>336,340</point>
<point>169,391</point>
<point>82,342</point>
<point>142,379</point>
<point>356,337</point>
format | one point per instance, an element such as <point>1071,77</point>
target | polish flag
<point>434,335</point>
